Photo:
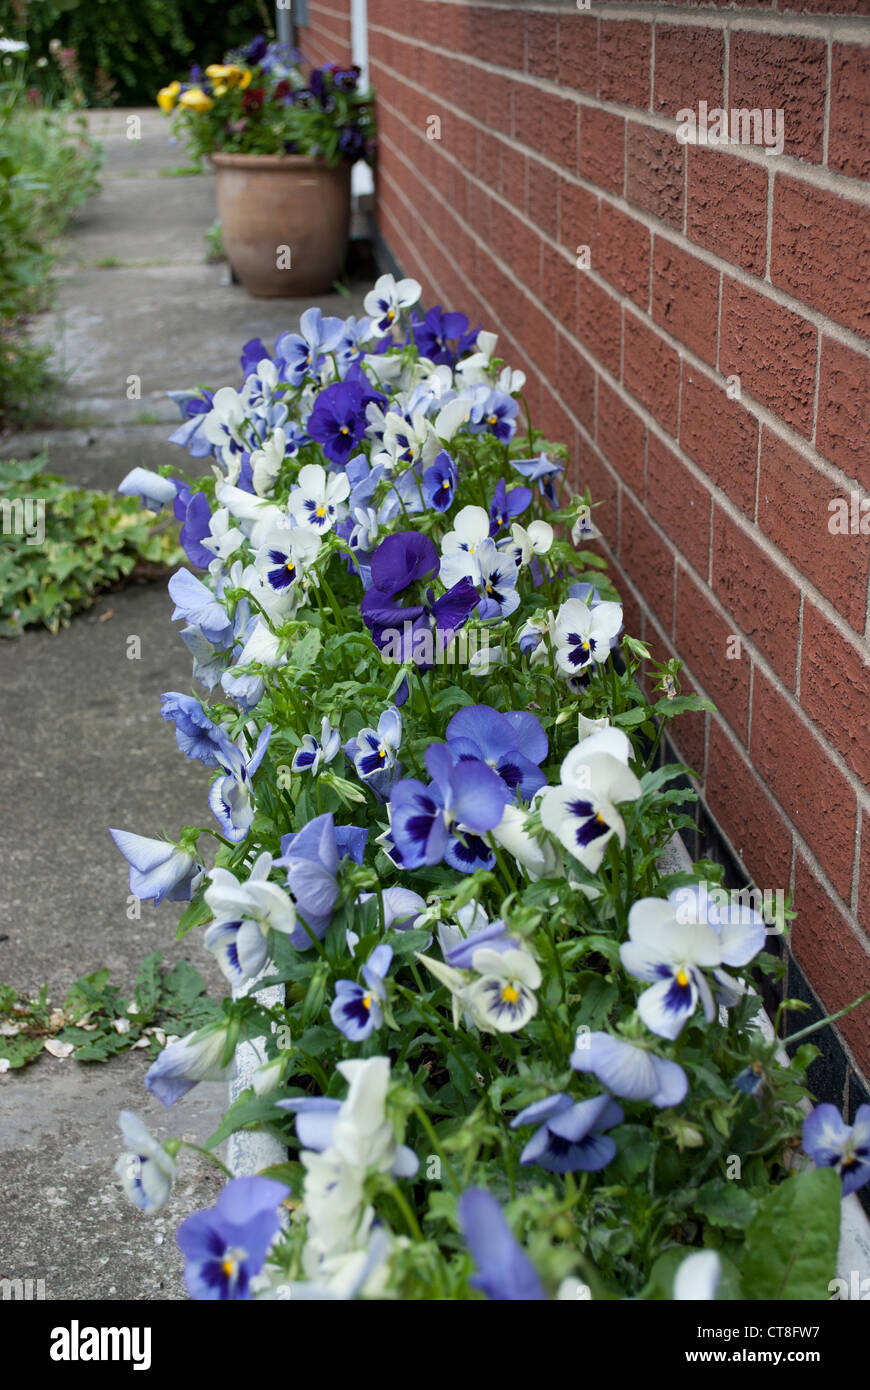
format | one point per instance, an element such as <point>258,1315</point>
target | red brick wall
<point>326,36</point>
<point>558,130</point>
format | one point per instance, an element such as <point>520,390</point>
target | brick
<point>810,788</point>
<point>685,298</point>
<point>542,45</point>
<point>537,332</point>
<point>554,419</point>
<point>624,62</point>
<point>843,423</point>
<point>743,809</point>
<point>764,601</point>
<point>720,435</point>
<point>622,254</point>
<point>833,956</point>
<point>491,32</point>
<point>547,124</point>
<point>651,371</point>
<point>726,208</point>
<point>849,122</point>
<point>688,730</point>
<point>578,217</point>
<point>602,149</point>
<point>847,7</point>
<point>512,174</point>
<point>701,635</point>
<point>576,380</point>
<point>599,323</point>
<point>543,205</point>
<point>787,73</point>
<point>835,689</point>
<point>646,556</point>
<point>632,613</point>
<point>592,472</point>
<point>863,879</point>
<point>558,289</point>
<point>679,503</point>
<point>772,350</point>
<point>793,499</point>
<point>820,251</point>
<point>578,53</point>
<point>621,436</point>
<point>689,68</point>
<point>654,173</point>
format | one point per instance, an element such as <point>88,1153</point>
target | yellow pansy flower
<point>167,95</point>
<point>195,100</point>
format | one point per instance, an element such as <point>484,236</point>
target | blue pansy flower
<point>442,336</point>
<point>512,743</point>
<point>312,755</point>
<point>231,796</point>
<point>312,857</point>
<point>446,819</point>
<point>831,1143</point>
<point>200,609</point>
<point>629,1071</point>
<point>196,735</point>
<point>152,490</point>
<point>570,1136</point>
<point>375,751</point>
<point>185,1062</point>
<point>194,408</point>
<point>226,1245</point>
<point>506,505</point>
<point>494,412</point>
<point>541,470</point>
<point>504,1270</point>
<point>146,1170</point>
<point>439,482</point>
<point>298,355</point>
<point>356,1010</point>
<point>158,869</point>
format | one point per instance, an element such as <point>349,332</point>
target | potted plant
<point>282,139</point>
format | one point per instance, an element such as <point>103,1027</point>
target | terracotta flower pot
<point>284,221</point>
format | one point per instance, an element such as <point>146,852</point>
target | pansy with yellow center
<point>356,1010</point>
<point>673,957</point>
<point>226,1245</point>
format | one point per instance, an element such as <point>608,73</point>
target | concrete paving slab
<point>83,743</point>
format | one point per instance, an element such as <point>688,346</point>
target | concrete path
<point>83,743</point>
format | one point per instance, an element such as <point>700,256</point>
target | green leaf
<point>791,1243</point>
<point>724,1203</point>
<point>248,1112</point>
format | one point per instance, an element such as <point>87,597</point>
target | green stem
<point>213,1158</point>
<point>823,1023</point>
<point>437,1145</point>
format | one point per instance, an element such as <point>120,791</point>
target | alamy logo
<point>75,1343</point>
<point>23,516</point>
<point>22,1289</point>
<point>739,126</point>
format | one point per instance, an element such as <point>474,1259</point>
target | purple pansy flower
<point>196,735</point>
<point>442,336</point>
<point>338,420</point>
<point>543,471</point>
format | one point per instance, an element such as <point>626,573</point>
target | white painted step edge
<point>250,1151</point>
